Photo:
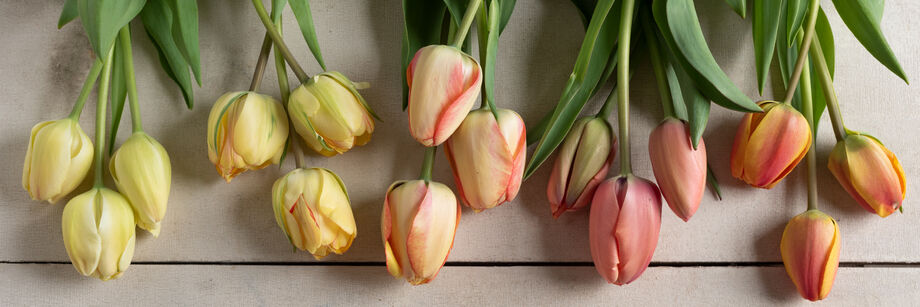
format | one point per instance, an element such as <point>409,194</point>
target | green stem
<point>661,78</point>
<point>608,105</point>
<point>87,87</point>
<point>260,64</point>
<point>488,74</point>
<point>281,70</point>
<point>428,164</point>
<point>298,151</point>
<point>623,87</point>
<point>803,50</point>
<point>465,24</point>
<point>102,95</point>
<point>124,35</point>
<point>827,84</point>
<point>279,41</point>
<point>811,157</point>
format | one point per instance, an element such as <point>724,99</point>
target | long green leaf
<point>277,9</point>
<point>422,21</point>
<point>185,33</point>
<point>301,9</point>
<point>685,93</point>
<point>740,6</point>
<point>507,7</point>
<point>158,20</point>
<point>103,18</point>
<point>766,24</point>
<point>863,17</point>
<point>118,93</point>
<point>795,15</point>
<point>489,28</point>
<point>825,37</point>
<point>585,10</point>
<point>68,13</point>
<point>681,30</point>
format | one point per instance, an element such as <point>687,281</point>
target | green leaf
<point>681,30</point>
<point>786,55</point>
<point>489,28</point>
<point>301,9</point>
<point>585,10</point>
<point>422,21</point>
<point>863,17</point>
<point>766,24</point>
<point>456,8</point>
<point>158,21</point>
<point>507,7</point>
<point>740,6</point>
<point>826,38</point>
<point>118,92</point>
<point>103,18</point>
<point>713,182</point>
<point>277,9</point>
<point>185,33</point>
<point>68,14</point>
<point>689,104</point>
<point>796,10</point>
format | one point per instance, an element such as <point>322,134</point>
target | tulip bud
<point>58,158</point>
<point>246,131</point>
<point>444,83</point>
<point>811,253</point>
<point>313,209</point>
<point>98,229</point>
<point>679,169</point>
<point>419,223</point>
<point>330,115</point>
<point>623,227</point>
<point>487,156</point>
<point>770,144</point>
<point>142,173</point>
<point>869,172</point>
<point>581,164</point>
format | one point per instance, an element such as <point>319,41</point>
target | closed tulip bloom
<point>623,227</point>
<point>98,229</point>
<point>581,164</point>
<point>312,208</point>
<point>58,158</point>
<point>770,144</point>
<point>330,115</point>
<point>142,173</point>
<point>811,253</point>
<point>869,172</point>
<point>444,83</point>
<point>487,156</point>
<point>418,225</point>
<point>246,131</point>
<point>679,169</point>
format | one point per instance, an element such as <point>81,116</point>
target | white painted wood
<point>209,220</point>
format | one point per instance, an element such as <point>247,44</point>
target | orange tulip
<point>679,169</point>
<point>444,83</point>
<point>770,144</point>
<point>811,253</point>
<point>581,164</point>
<point>869,172</point>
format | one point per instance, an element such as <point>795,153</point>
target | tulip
<point>811,251</point>
<point>419,222</point>
<point>679,168</point>
<point>98,229</point>
<point>58,158</point>
<point>330,115</point>
<point>312,208</point>
<point>770,144</point>
<point>487,156</point>
<point>869,172</point>
<point>444,83</point>
<point>246,131</point>
<point>623,227</point>
<point>142,173</point>
<point>581,164</point>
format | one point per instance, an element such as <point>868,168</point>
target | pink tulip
<point>811,253</point>
<point>487,156</point>
<point>623,227</point>
<point>679,169</point>
<point>581,164</point>
<point>444,83</point>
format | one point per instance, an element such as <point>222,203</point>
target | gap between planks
<point>487,263</point>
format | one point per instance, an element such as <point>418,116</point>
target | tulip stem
<point>298,151</point>
<point>811,156</point>
<point>87,87</point>
<point>280,68</point>
<point>102,94</point>
<point>803,50</point>
<point>827,84</point>
<point>279,41</point>
<point>428,164</point>
<point>466,23</point>
<point>604,113</point>
<point>124,36</point>
<point>661,78</point>
<point>623,86</point>
<point>260,64</point>
<point>488,74</point>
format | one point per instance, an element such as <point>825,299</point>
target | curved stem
<point>87,87</point>
<point>465,23</point>
<point>281,70</point>
<point>803,50</point>
<point>428,164</point>
<point>298,151</point>
<point>661,78</point>
<point>260,64</point>
<point>101,101</point>
<point>279,41</point>
<point>124,35</point>
<point>623,85</point>
<point>811,159</point>
<point>827,84</point>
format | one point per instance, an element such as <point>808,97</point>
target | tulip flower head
<point>142,173</point>
<point>869,172</point>
<point>623,226</point>
<point>98,229</point>
<point>58,158</point>
<point>444,83</point>
<point>419,223</point>
<point>487,156</point>
<point>312,208</point>
<point>680,170</point>
<point>581,164</point>
<point>811,253</point>
<point>770,144</point>
<point>330,115</point>
<point>246,131</point>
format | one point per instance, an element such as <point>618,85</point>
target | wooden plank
<point>209,220</point>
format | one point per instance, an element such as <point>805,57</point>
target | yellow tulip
<point>98,229</point>
<point>58,158</point>
<point>246,131</point>
<point>330,115</point>
<point>142,173</point>
<point>869,172</point>
<point>312,208</point>
<point>811,253</point>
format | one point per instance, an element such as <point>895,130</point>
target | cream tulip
<point>444,83</point>
<point>246,131</point>
<point>142,173</point>
<point>98,229</point>
<point>57,159</point>
<point>313,210</point>
<point>330,115</point>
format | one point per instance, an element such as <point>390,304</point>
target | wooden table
<point>220,243</point>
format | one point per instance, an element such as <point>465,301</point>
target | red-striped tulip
<point>623,227</point>
<point>418,225</point>
<point>770,144</point>
<point>313,210</point>
<point>581,164</point>
<point>869,172</point>
<point>487,156</point>
<point>679,169</point>
<point>444,83</point>
<point>811,250</point>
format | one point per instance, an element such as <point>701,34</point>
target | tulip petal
<point>776,146</point>
<point>680,170</point>
<point>430,236</point>
<point>810,252</point>
<point>740,145</point>
<point>386,225</point>
<point>873,175</point>
<point>602,223</point>
<point>637,229</point>
<point>559,177</point>
<point>81,236</point>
